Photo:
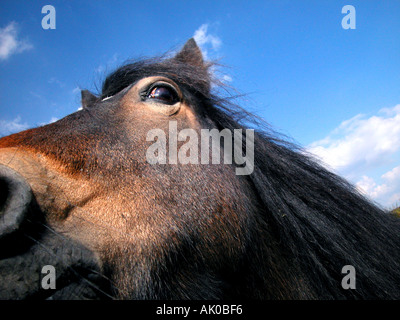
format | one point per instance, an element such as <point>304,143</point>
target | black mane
<point>197,79</point>
<point>319,220</point>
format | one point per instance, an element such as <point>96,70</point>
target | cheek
<point>143,128</point>
<point>191,118</point>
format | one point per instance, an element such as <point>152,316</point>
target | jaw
<point>77,274</point>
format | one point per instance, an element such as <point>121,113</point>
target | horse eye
<point>163,94</point>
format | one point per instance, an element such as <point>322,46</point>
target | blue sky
<point>334,91</point>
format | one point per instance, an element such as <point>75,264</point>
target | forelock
<point>196,78</point>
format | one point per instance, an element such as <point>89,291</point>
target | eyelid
<point>156,105</point>
<point>160,83</point>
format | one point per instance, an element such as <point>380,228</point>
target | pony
<point>81,198</point>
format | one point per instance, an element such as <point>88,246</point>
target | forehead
<point>194,79</point>
<point>130,74</point>
<point>140,83</point>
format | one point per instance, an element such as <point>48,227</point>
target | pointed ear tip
<point>87,95</point>
<point>191,43</point>
<point>190,53</point>
<point>85,92</point>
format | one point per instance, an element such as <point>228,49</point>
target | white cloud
<point>54,80</point>
<point>202,38</point>
<point>15,125</point>
<point>9,42</point>
<point>9,127</point>
<point>111,63</point>
<point>206,41</point>
<point>360,146</point>
<point>393,175</point>
<point>100,69</point>
<point>391,111</point>
<point>361,141</point>
<point>227,78</point>
<point>368,186</point>
<point>387,192</point>
<point>76,90</point>
<point>53,119</point>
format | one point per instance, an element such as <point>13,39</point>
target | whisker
<point>90,283</point>
<point>58,234</point>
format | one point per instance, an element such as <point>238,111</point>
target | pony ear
<point>190,54</point>
<point>87,98</point>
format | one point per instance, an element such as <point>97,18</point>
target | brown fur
<point>90,177</point>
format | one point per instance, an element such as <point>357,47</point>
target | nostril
<point>20,215</point>
<point>15,201</point>
<point>4,192</point>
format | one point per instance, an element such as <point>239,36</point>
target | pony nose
<point>16,201</point>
